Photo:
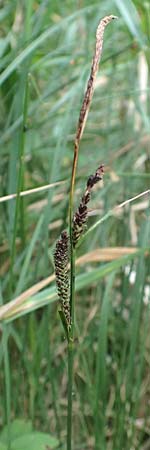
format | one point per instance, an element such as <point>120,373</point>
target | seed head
<point>61,257</point>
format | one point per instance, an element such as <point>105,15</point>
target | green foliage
<point>46,49</point>
<point>23,437</point>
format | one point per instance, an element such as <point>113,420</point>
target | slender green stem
<point>7,384</point>
<point>72,298</point>
<point>72,289</point>
<point>71,353</point>
<point>70,392</point>
<point>7,378</point>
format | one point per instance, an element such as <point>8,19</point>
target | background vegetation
<point>46,49</point>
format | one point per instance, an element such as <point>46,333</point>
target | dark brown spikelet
<point>61,257</point>
<point>80,216</point>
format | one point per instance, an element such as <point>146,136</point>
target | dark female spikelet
<point>80,217</point>
<point>61,271</point>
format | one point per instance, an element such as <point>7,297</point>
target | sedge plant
<point>65,252</point>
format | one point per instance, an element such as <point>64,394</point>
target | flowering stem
<point>70,394</point>
<point>71,353</point>
<point>80,128</point>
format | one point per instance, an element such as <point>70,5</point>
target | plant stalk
<point>5,336</point>
<point>70,393</point>
<point>80,128</point>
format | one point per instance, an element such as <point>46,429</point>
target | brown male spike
<point>80,216</point>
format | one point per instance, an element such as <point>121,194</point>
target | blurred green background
<point>46,49</point>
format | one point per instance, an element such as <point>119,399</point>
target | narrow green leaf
<point>130,15</point>
<point>136,306</point>
<point>30,49</point>
<point>101,374</point>
<point>27,261</point>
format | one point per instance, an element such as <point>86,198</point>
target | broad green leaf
<point>34,441</point>
<point>23,438</point>
<point>18,428</point>
<point>3,446</point>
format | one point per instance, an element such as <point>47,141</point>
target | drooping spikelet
<point>61,269</point>
<point>80,216</point>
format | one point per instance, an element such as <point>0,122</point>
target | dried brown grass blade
<point>105,254</point>
<point>98,255</point>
